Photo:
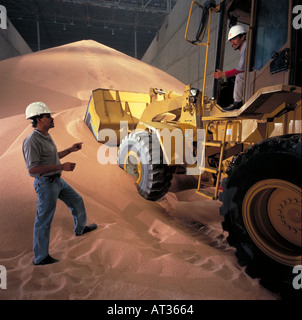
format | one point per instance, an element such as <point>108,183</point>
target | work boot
<point>47,260</point>
<point>234,106</point>
<point>87,229</point>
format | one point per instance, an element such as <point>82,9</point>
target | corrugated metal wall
<point>11,43</point>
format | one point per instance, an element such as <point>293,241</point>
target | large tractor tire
<point>141,156</point>
<point>262,211</point>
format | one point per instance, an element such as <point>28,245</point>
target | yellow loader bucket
<point>107,108</point>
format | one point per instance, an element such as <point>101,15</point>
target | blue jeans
<point>48,192</point>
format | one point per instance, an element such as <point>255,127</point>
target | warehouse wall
<point>11,43</point>
<point>171,53</point>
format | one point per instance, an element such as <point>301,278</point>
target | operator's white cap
<point>236,31</point>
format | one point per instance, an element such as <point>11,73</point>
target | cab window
<point>271,30</point>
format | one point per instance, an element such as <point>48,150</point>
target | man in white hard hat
<point>43,163</point>
<point>237,38</point>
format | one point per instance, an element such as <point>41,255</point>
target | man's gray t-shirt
<point>40,150</point>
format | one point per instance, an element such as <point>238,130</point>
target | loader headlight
<point>194,92</point>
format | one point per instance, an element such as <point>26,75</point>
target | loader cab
<point>272,55</point>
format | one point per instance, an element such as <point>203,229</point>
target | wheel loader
<point>248,158</point>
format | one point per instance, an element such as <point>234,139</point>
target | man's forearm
<point>64,153</point>
<point>75,147</point>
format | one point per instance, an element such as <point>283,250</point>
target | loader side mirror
<point>206,8</point>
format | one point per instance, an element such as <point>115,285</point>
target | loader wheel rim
<point>271,213</point>
<point>133,166</point>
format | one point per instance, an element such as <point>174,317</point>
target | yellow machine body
<point>261,204</point>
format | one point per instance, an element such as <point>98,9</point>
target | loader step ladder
<point>215,171</point>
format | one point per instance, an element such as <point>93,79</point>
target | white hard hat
<point>36,109</point>
<point>236,31</point>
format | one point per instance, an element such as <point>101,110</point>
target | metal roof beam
<point>138,5</point>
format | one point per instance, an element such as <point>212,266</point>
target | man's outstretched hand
<point>76,147</point>
<point>218,74</point>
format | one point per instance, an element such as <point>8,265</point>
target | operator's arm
<point>220,74</point>
<point>232,73</point>
<point>73,148</point>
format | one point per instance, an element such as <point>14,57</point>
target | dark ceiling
<point>128,26</point>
